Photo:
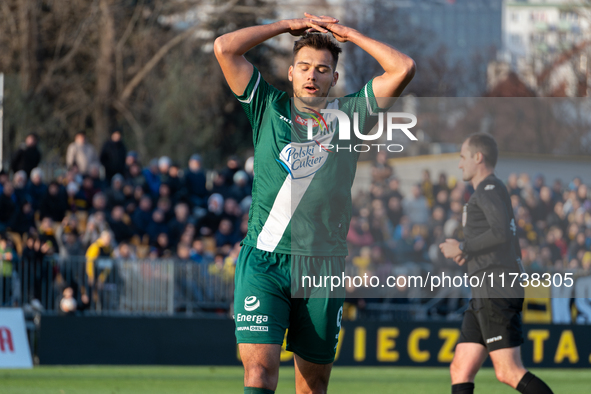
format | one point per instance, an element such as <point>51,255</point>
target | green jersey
<point>301,195</point>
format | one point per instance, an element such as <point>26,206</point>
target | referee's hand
<point>451,250</point>
<point>460,260</point>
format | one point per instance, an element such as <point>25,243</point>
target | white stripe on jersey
<point>256,85</point>
<point>281,212</point>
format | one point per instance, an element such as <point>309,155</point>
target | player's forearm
<point>393,62</point>
<point>238,42</point>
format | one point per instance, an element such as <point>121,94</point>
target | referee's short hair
<point>485,144</point>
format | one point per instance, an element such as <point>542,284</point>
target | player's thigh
<point>311,377</point>
<point>315,324</point>
<point>261,364</point>
<point>468,359</point>
<point>261,297</point>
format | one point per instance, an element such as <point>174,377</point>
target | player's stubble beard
<point>317,102</point>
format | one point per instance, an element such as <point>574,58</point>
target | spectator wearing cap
<point>195,182</point>
<point>27,156</point>
<point>81,153</point>
<point>113,155</point>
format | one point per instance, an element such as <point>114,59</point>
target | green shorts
<point>264,307</point>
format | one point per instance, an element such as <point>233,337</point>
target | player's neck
<point>481,175</point>
<point>302,106</point>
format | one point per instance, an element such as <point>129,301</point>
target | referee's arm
<point>491,204</point>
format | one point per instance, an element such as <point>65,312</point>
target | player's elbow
<point>220,47</point>
<point>403,73</point>
<point>409,68</point>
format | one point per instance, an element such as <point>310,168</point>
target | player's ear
<point>335,78</point>
<point>290,74</point>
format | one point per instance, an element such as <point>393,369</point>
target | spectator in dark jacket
<point>120,229</point>
<point>152,177</point>
<point>195,182</point>
<point>113,156</point>
<point>115,194</point>
<point>23,220</point>
<point>157,226</point>
<point>27,156</point>
<point>20,187</point>
<point>7,206</point>
<point>36,189</point>
<point>55,203</point>
<point>143,215</point>
<point>175,183</point>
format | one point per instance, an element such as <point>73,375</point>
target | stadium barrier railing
<point>75,285</point>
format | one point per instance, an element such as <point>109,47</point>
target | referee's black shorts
<point>493,322</point>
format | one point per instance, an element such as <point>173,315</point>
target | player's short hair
<point>318,41</point>
<point>485,144</point>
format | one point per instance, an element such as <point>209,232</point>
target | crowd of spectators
<point>110,204</point>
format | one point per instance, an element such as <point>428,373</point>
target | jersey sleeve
<point>491,203</point>
<point>255,100</point>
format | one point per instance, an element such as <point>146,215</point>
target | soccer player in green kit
<point>285,175</point>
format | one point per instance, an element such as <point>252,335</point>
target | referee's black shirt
<point>490,240</point>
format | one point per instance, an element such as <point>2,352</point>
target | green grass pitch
<point>222,380</point>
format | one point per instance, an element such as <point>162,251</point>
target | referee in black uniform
<point>492,323</point>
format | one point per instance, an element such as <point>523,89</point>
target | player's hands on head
<point>325,24</point>
<point>309,24</point>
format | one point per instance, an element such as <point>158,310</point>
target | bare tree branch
<point>141,74</point>
<point>55,65</point>
<point>135,126</point>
